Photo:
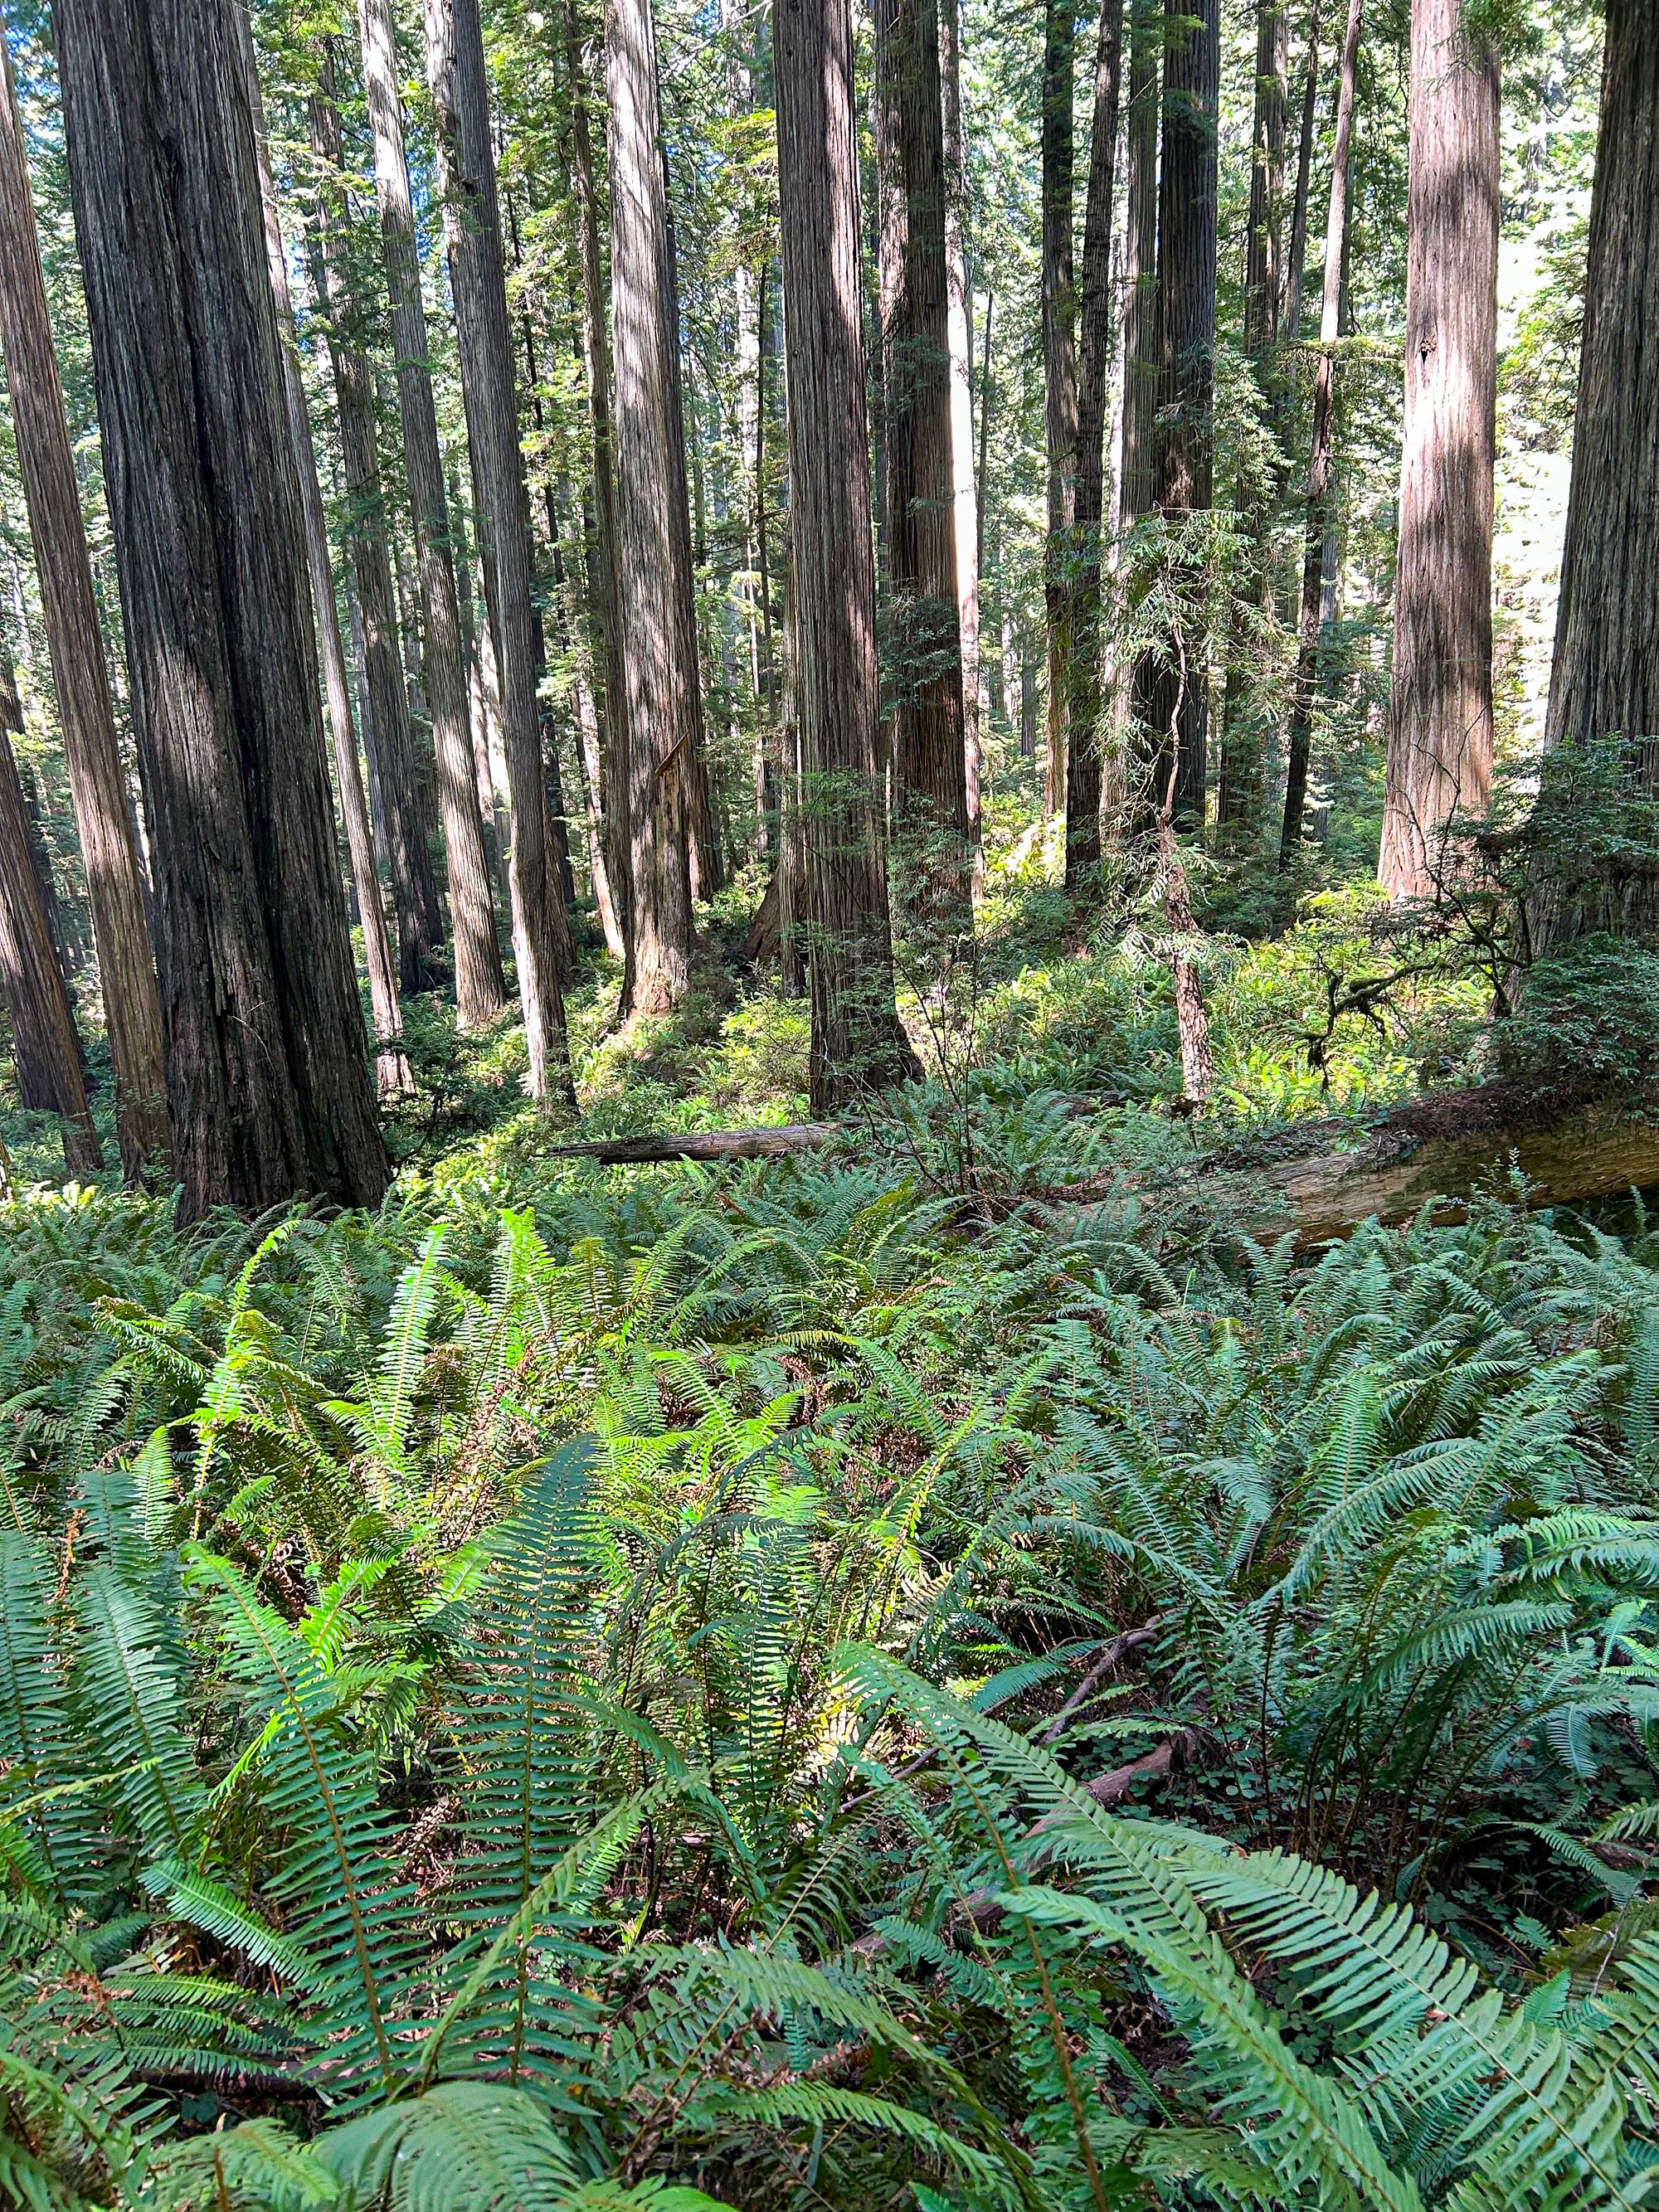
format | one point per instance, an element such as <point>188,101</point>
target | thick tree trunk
<point>1440,729</point>
<point>391,737</point>
<point>857,1041</point>
<point>1605,680</point>
<point>1138,477</point>
<point>1087,711</point>
<point>1058,374</point>
<point>46,1051</point>
<point>657,712</point>
<point>466,176</point>
<point>924,638</point>
<point>392,1074</point>
<point>1174,670</point>
<point>1317,530</point>
<point>126,967</point>
<point>269,1080</point>
<point>965,509</point>
<point>480,991</point>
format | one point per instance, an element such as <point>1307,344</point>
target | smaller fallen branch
<point>1111,1657</point>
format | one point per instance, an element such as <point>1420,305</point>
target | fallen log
<point>704,1144</point>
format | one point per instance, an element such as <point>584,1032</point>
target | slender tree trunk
<point>857,1041</point>
<point>1084,753</point>
<point>1173,671</point>
<point>392,1067</point>
<point>657,715</point>
<point>925,668</point>
<point>480,991</point>
<point>966,509</point>
<point>1139,475</point>
<point>1440,727</point>
<point>1289,322</point>
<point>466,175</point>
<point>132,1010</point>
<point>415,904</point>
<point>270,1085</point>
<point>45,1049</point>
<point>1059,374</point>
<point>1318,529</point>
<point>1605,679</point>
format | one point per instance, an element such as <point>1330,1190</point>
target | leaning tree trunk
<point>127,967</point>
<point>269,1080</point>
<point>466,172</point>
<point>857,1042</point>
<point>393,1073</point>
<point>480,991</point>
<point>925,667</point>
<point>1058,374</point>
<point>46,1052</point>
<point>1087,715</point>
<point>965,503</point>
<point>657,714</point>
<point>1319,465</point>
<point>389,735</point>
<point>1440,729</point>
<point>1605,680</point>
<point>1171,700</point>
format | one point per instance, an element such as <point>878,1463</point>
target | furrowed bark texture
<point>1059,372</point>
<point>390,739</point>
<point>924,641</point>
<point>127,967</point>
<point>1140,375</point>
<point>269,1081</point>
<point>657,712</point>
<point>1087,715</point>
<point>46,1053</point>
<point>1440,729</point>
<point>480,991</point>
<point>466,171</point>
<point>392,1074</point>
<point>1606,674</point>
<point>857,1041</point>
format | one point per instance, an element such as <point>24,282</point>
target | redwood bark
<point>1605,679</point>
<point>1317,527</point>
<point>1440,729</point>
<point>46,1051</point>
<point>658,712</point>
<point>269,1080</point>
<point>389,733</point>
<point>392,1067</point>
<point>857,1041</point>
<point>966,503</point>
<point>480,991</point>
<point>466,173</point>
<point>1290,321</point>
<point>1058,372</point>
<point>127,967</point>
<point>924,670</point>
<point>1083,752</point>
<point>1140,341</point>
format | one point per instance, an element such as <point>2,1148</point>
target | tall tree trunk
<point>1290,321</point>
<point>657,712</point>
<point>1440,727</point>
<point>1605,679</point>
<point>1059,374</point>
<point>269,1080</point>
<point>466,176</point>
<point>390,733</point>
<point>46,1050</point>
<point>924,647</point>
<point>966,506</point>
<point>1239,779</point>
<point>1317,530</point>
<point>480,991</point>
<point>857,1041</point>
<point>1084,753</point>
<point>601,539</point>
<point>1171,690</point>
<point>391,1066</point>
<point>1138,477</point>
<point>126,967</point>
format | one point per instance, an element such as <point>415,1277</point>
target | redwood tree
<point>268,1077</point>
<point>1440,728</point>
<point>1059,370</point>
